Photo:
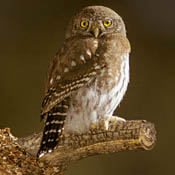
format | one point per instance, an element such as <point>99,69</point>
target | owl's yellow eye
<point>84,24</point>
<point>107,23</point>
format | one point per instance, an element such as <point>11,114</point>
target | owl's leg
<point>53,128</point>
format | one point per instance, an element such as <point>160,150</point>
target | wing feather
<point>65,87</point>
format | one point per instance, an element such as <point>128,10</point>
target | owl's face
<point>95,21</point>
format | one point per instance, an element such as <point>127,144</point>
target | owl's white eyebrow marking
<point>88,52</point>
<point>66,69</point>
<point>73,63</point>
<point>82,58</point>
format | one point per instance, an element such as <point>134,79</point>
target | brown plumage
<point>88,77</point>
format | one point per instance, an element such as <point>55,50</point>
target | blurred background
<point>30,34</point>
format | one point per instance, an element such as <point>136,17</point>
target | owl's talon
<point>115,118</point>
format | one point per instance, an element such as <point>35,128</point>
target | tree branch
<point>19,155</point>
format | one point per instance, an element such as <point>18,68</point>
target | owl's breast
<point>98,99</point>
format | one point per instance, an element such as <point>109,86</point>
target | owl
<point>88,77</point>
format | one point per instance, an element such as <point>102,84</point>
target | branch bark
<point>19,155</point>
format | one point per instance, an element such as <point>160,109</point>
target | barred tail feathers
<point>53,128</point>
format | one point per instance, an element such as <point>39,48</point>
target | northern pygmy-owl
<point>88,77</point>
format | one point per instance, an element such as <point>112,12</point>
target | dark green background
<point>30,33</point>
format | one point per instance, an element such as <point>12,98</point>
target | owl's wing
<point>75,65</point>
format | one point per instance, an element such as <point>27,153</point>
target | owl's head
<point>95,21</point>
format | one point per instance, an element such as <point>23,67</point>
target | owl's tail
<point>53,128</point>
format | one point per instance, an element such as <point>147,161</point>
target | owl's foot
<point>109,123</point>
<point>113,120</point>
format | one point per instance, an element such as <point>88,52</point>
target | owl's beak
<point>95,31</point>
